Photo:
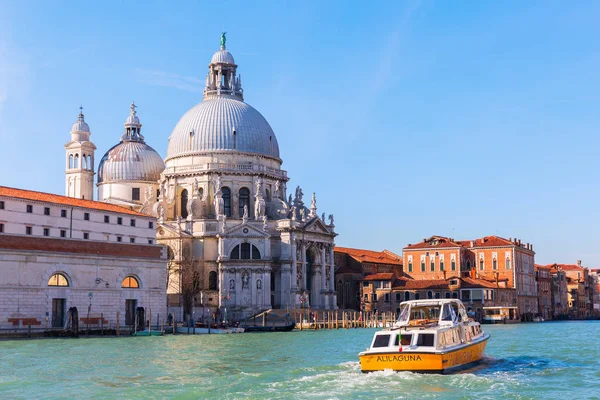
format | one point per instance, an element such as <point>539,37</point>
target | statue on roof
<point>223,39</point>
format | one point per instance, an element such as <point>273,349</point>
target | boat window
<point>425,339</point>
<point>431,313</point>
<point>405,340</point>
<point>382,341</point>
<point>448,313</point>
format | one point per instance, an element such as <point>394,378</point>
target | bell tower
<point>79,172</point>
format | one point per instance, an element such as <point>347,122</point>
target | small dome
<point>132,120</point>
<point>222,57</point>
<point>80,125</point>
<point>222,123</point>
<point>130,161</point>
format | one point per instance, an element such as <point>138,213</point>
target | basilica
<point>235,237</point>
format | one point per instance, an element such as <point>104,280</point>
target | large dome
<point>130,161</point>
<point>222,123</point>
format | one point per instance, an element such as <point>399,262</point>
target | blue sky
<point>408,119</point>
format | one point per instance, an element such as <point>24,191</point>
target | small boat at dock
<point>433,336</point>
<point>147,333</point>
<point>284,328</point>
<point>184,330</point>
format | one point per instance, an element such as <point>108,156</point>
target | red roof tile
<point>64,200</point>
<point>491,241</point>
<point>434,242</point>
<point>421,284</point>
<point>377,257</point>
<point>383,276</point>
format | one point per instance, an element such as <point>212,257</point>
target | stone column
<point>285,290</point>
<point>302,284</point>
<point>238,288</point>
<point>293,282</point>
<point>267,287</point>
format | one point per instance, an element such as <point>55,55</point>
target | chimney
<point>510,239</point>
<point>472,243</point>
<point>444,274</point>
<point>482,240</point>
<point>579,263</point>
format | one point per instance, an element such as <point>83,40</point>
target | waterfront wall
<point>92,281</point>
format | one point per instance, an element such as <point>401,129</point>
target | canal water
<point>550,360</point>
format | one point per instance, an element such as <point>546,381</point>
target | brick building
<point>544,289</point>
<point>352,265</point>
<point>491,258</point>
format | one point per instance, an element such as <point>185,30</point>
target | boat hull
<point>205,331</point>
<point>438,362</point>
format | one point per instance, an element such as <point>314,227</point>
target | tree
<point>182,276</point>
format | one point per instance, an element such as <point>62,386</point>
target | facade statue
<point>323,217</point>
<point>223,39</point>
<point>195,188</point>
<point>232,284</point>
<point>290,199</point>
<point>217,184</point>
<point>302,214</point>
<point>245,216</point>
<point>259,207</point>
<point>258,184</point>
<point>219,205</point>
<point>277,189</point>
<point>258,284</point>
<point>245,279</point>
<point>313,206</point>
<point>299,194</point>
<point>330,219</point>
<point>162,188</point>
<point>264,218</point>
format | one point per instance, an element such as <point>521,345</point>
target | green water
<point>543,361</point>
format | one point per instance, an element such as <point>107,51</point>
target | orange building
<point>579,289</point>
<point>491,257</point>
<point>352,265</point>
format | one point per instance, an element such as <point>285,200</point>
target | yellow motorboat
<point>430,336</point>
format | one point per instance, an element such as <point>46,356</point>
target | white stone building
<point>223,208</point>
<point>58,252</point>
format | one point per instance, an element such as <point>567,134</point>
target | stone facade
<point>224,211</point>
<point>58,252</point>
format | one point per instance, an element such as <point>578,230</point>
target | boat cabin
<point>427,325</point>
<point>500,314</point>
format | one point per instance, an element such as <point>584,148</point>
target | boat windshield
<point>404,314</point>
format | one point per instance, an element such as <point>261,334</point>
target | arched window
<point>244,200</point>
<point>417,296</point>
<point>245,251</point>
<point>447,295</point>
<point>184,200</point>
<point>437,295</point>
<point>429,294</point>
<point>406,296</point>
<point>201,192</point>
<point>84,161</point>
<point>255,253</point>
<point>212,280</point>
<point>226,194</point>
<point>76,161</point>
<point>268,194</point>
<point>455,295</point>
<point>89,163</point>
<point>235,253</point>
<point>58,279</point>
<point>71,161</point>
<point>130,282</point>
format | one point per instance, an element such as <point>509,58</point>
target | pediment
<point>166,231</point>
<point>316,225</point>
<point>244,230</point>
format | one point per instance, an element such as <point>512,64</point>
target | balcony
<point>248,168</point>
